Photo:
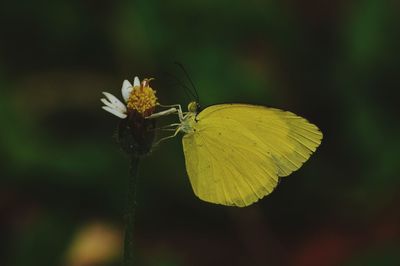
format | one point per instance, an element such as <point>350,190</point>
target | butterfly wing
<point>238,151</point>
<point>223,166</point>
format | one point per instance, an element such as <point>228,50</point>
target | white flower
<point>113,105</point>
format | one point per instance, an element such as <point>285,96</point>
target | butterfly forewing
<point>290,139</point>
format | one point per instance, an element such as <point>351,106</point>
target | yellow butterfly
<point>235,153</point>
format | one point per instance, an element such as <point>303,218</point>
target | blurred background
<point>63,177</point>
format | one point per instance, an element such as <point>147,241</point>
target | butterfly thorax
<point>188,122</point>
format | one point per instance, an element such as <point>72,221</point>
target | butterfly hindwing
<point>224,166</point>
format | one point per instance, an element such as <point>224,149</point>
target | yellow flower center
<point>143,99</point>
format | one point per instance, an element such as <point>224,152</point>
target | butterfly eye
<point>193,107</point>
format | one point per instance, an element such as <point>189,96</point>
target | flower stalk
<point>130,212</point>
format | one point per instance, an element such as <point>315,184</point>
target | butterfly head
<point>194,107</point>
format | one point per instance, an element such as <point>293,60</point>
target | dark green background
<point>334,62</point>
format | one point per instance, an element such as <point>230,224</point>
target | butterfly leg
<point>163,113</point>
<point>169,137</point>
<point>171,127</point>
<point>178,108</point>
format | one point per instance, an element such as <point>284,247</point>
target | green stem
<point>130,212</point>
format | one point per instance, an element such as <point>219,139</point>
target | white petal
<point>117,104</point>
<point>114,112</point>
<point>136,82</point>
<point>107,103</point>
<point>126,90</point>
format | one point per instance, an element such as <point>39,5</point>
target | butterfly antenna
<point>195,94</point>
<point>187,90</point>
